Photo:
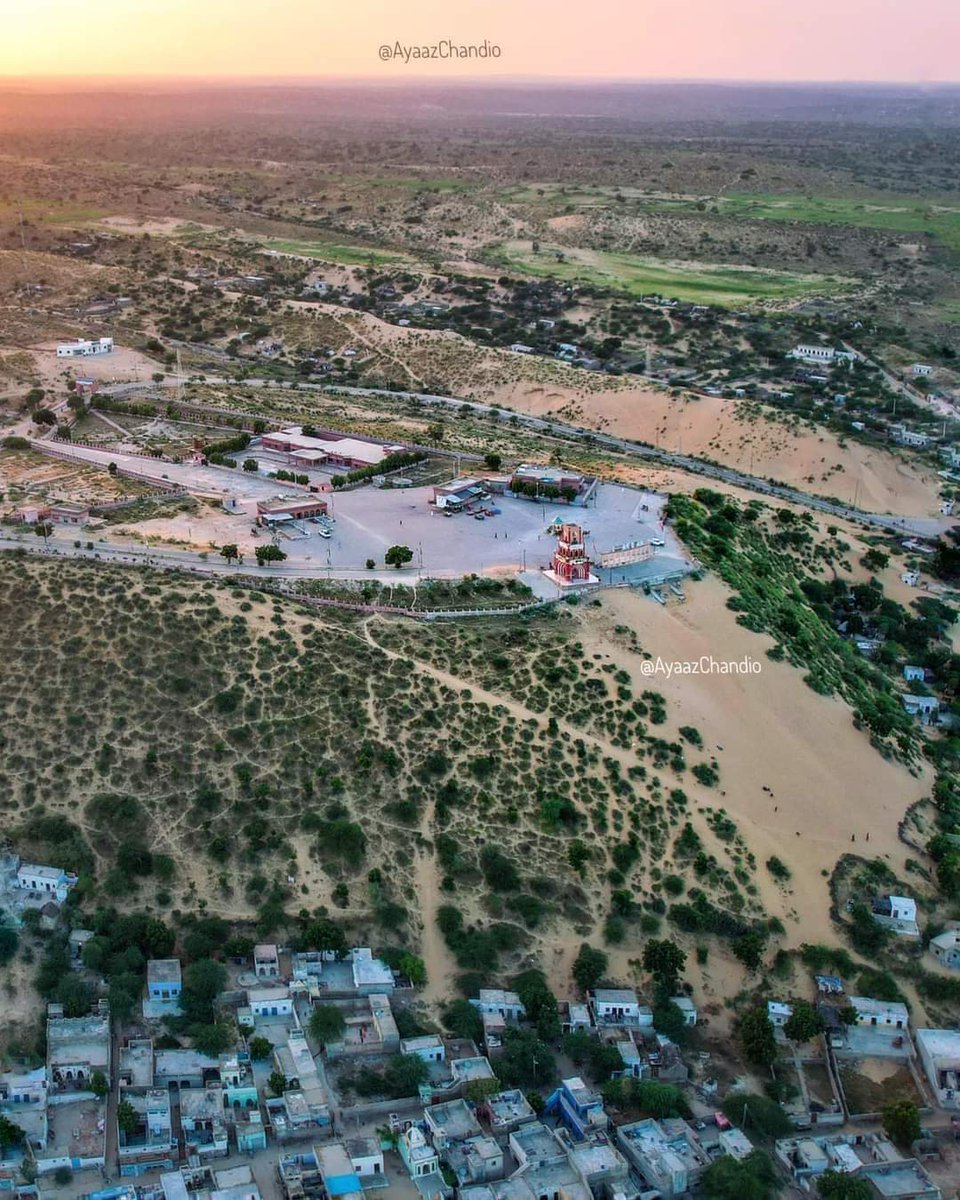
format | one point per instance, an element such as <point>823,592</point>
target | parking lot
<point>366,522</point>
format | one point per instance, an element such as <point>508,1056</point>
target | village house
<point>467,1070</point>
<point>366,1155</point>
<point>201,1118</point>
<point>164,982</point>
<point>910,437</point>
<point>500,1003</point>
<point>687,1008</point>
<point>579,1107</point>
<point>295,1062</point>
<point>184,1069</point>
<point>619,1007</point>
<point>870,1157</point>
<point>151,1146</point>
<point>23,1100</point>
<point>927,708</point>
<point>85,347</point>
<point>914,674</point>
<point>429,1047</point>
<point>666,1153</point>
<point>778,1013</point>
<point>337,1172</point>
<point>921,370</point>
<point>66,512</point>
<point>939,1051</point>
<point>507,1111</point>
<point>52,883</point>
<point>898,913</point>
<point>945,947</point>
<point>269,1002</point>
<point>371,976</point>
<point>77,1048</point>
<point>880,1013</point>
<point>266,962</point>
<point>370,1028</point>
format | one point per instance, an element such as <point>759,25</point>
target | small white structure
<point>927,708</point>
<point>498,1002</point>
<point>620,1006</point>
<point>914,674</point>
<point>945,947</point>
<point>520,348</point>
<point>53,883</point>
<point>735,1143</point>
<point>880,1013</point>
<point>266,961</point>
<point>370,974</point>
<point>270,1002</point>
<point>910,437</point>
<point>84,347</point>
<point>940,1055</point>
<point>429,1047</point>
<point>921,370</point>
<point>779,1013</point>
<point>898,913</point>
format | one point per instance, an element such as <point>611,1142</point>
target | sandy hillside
<point>827,784</point>
<point>724,431</point>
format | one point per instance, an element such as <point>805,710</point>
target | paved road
<point>924,526</point>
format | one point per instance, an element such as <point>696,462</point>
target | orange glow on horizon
<point>776,40</point>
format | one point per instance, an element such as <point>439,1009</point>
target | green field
<point>698,283</point>
<point>332,252</point>
<point>890,212</point>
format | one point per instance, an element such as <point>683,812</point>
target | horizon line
<point>214,81</point>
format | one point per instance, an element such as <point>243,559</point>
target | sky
<point>912,41</point>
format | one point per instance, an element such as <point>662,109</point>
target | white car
<point>324,533</point>
<point>657,542</point>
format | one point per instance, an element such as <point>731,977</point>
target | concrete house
<point>945,948</point>
<point>152,1145</point>
<point>77,1047</point>
<point>619,1007</point>
<point>204,1129</point>
<point>880,1013</point>
<point>164,980</point>
<point>85,347</point>
<point>270,1002</point>
<point>666,1153</point>
<point>53,883</point>
<point>579,1107</point>
<point>926,708</point>
<point>429,1047</point>
<point>266,962</point>
<point>499,1003</point>
<point>914,674</point>
<point>939,1051</point>
<point>898,913</point>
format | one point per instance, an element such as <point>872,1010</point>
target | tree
<point>112,468</point>
<point>43,529</point>
<point>229,551</point>
<point>492,461</point>
<point>540,1003</point>
<point>127,1118</point>
<point>10,1134</point>
<point>838,1185</point>
<point>526,1061</point>
<point>589,967</point>
<point>251,465</point>
<point>646,1096</point>
<point>804,1023</point>
<point>665,961</point>
<point>260,1048</point>
<point>398,556</point>
<point>414,968</point>
<point>203,981</point>
<point>669,1020</point>
<point>755,1030</point>
<point>277,1083</point>
<point>327,1024</point>
<point>99,1085</point>
<point>269,553</point>
<point>404,1074</point>
<point>751,1178</point>
<point>748,947</point>
<point>758,1114</point>
<point>478,1090</point>
<point>9,941</point>
<point>463,1020</point>
<point>875,560</point>
<point>213,1039</point>
<point>901,1122</point>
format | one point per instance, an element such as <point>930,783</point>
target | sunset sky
<point>855,40</point>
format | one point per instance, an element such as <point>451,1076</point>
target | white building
<point>270,1002</point>
<point>880,1013</point>
<point>945,948</point>
<point>53,883</point>
<point>898,913</point>
<point>779,1013</point>
<point>620,1006</point>
<point>813,353</point>
<point>921,370</point>
<point>266,961</point>
<point>429,1047</point>
<point>940,1055</point>
<point>84,347</point>
<point>370,974</point>
<point>498,1002</point>
<point>687,1007</point>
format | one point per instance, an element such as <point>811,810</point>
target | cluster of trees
<point>392,462</point>
<point>543,491</point>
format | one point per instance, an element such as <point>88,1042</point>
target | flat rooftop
<point>163,970</point>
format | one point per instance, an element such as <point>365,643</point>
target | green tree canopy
<point>327,1023</point>
<point>589,967</point>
